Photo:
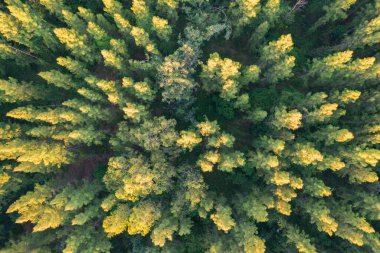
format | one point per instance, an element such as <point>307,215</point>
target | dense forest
<point>194,126</point>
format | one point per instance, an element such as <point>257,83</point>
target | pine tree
<point>14,91</point>
<point>221,75</point>
<point>11,29</point>
<point>58,79</point>
<point>54,6</point>
<point>142,218</point>
<point>78,44</point>
<point>31,22</point>
<point>222,218</point>
<point>75,67</point>
<point>275,58</point>
<point>334,11</point>
<point>244,11</point>
<point>367,33</point>
<point>175,74</point>
<point>86,239</point>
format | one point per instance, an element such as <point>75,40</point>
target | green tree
<point>275,58</point>
<point>14,91</point>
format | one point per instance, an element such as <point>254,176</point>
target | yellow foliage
<point>4,178</point>
<point>188,140</point>
<point>249,7</point>
<point>284,44</point>
<point>281,178</point>
<point>285,193</point>
<point>296,182</point>
<point>134,111</point>
<point>221,75</point>
<point>172,4</point>
<point>283,207</point>
<point>162,28</point>
<point>116,223</point>
<point>364,226</point>
<point>290,120</point>
<point>351,235</point>
<point>363,175</point>
<point>140,36</point>
<point>348,96</point>
<point>333,163</point>
<point>139,8</point>
<point>205,165</point>
<point>76,42</point>
<point>142,218</point>
<point>208,128</point>
<point>339,59</point>
<point>258,246</point>
<point>370,156</point>
<point>343,135</point>
<point>122,23</point>
<point>328,224</point>
<point>222,218</point>
<point>9,131</point>
<point>111,59</point>
<point>212,157</point>
<point>305,154</point>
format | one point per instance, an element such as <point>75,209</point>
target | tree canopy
<point>189,126</point>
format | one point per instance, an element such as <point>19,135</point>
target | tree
<point>220,75</point>
<point>305,154</point>
<point>73,20</point>
<point>334,11</point>
<point>117,221</point>
<point>164,231</point>
<point>78,44</point>
<point>290,120</point>
<point>222,218</point>
<point>142,13</point>
<point>86,239</point>
<point>275,58</point>
<point>99,34</point>
<point>188,140</point>
<point>114,57</point>
<point>58,79</point>
<point>30,21</point>
<point>11,29</point>
<point>54,6</point>
<point>320,215</point>
<point>142,218</point>
<point>162,28</point>
<point>157,134</point>
<point>75,67</point>
<point>139,177</point>
<point>52,116</point>
<point>297,237</point>
<point>14,91</point>
<point>365,34</point>
<point>35,155</point>
<point>244,11</point>
<point>32,208</point>
<point>175,75</point>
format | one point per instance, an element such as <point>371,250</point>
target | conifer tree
<point>14,91</point>
<point>276,59</point>
<point>334,11</point>
<point>77,43</point>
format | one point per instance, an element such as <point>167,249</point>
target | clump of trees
<point>189,126</point>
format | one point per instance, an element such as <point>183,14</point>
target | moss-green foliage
<point>189,126</point>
